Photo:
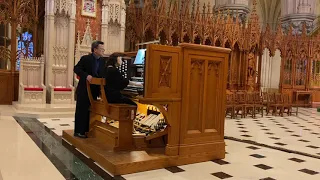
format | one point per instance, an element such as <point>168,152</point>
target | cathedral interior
<point>230,89</point>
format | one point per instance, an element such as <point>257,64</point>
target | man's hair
<point>95,45</point>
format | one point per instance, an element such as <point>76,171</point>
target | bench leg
<point>125,138</point>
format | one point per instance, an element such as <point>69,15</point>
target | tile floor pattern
<point>293,133</point>
<point>245,160</point>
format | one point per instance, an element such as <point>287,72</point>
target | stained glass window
<point>315,71</point>
<point>288,68</point>
<point>301,68</point>
<point>25,47</point>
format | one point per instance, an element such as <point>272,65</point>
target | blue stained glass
<point>25,47</point>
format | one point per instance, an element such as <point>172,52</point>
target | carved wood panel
<point>195,24</point>
<point>195,94</point>
<point>204,89</point>
<point>225,30</point>
<point>214,93</point>
<point>164,76</point>
<point>165,71</point>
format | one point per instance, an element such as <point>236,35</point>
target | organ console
<point>180,114</point>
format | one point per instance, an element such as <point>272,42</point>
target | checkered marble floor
<point>242,162</point>
<point>57,125</point>
<point>264,148</point>
<point>296,133</point>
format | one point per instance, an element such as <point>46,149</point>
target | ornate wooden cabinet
<point>187,83</point>
<point>205,72</point>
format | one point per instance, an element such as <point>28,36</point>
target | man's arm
<point>79,68</point>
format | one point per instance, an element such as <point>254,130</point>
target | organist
<point>115,82</point>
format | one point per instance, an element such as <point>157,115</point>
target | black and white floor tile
<point>264,148</point>
<point>296,133</point>
<point>57,125</point>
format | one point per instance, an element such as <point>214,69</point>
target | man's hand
<point>89,78</point>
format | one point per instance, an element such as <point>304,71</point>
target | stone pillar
<point>113,25</point>
<point>59,49</point>
<point>297,12</point>
<point>122,26</point>
<point>234,6</point>
<point>71,41</point>
<point>49,30</point>
<point>105,21</point>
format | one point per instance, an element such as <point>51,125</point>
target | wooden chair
<point>230,105</point>
<point>119,138</point>
<point>265,100</point>
<point>287,105</point>
<point>258,103</point>
<point>277,104</point>
<point>240,101</point>
<point>249,105</point>
<point>296,107</point>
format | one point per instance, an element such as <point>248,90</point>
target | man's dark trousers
<point>86,66</point>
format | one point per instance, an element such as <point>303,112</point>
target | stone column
<point>49,38</point>
<point>122,25</point>
<point>105,21</point>
<point>71,42</point>
<point>297,12</point>
<point>234,6</point>
<point>113,25</point>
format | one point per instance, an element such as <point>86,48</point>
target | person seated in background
<point>115,82</point>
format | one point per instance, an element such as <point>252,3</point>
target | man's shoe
<point>80,135</point>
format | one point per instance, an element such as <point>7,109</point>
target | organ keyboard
<point>148,122</point>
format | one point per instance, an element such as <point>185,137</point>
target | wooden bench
<point>119,138</point>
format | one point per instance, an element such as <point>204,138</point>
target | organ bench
<point>187,86</point>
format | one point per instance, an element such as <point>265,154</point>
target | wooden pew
<point>119,138</point>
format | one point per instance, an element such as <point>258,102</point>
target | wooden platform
<point>126,162</point>
<point>118,163</point>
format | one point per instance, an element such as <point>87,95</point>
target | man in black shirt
<point>89,66</point>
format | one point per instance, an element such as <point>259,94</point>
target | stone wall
<point>95,22</point>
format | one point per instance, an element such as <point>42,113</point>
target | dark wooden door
<point>6,87</point>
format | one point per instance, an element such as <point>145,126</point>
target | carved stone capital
<point>297,21</point>
<point>242,10</point>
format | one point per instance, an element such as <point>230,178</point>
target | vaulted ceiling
<point>269,12</point>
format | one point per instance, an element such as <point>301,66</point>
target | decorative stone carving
<point>236,7</point>
<point>31,87</point>
<point>59,49</point>
<point>113,25</point>
<point>83,46</point>
<point>296,13</point>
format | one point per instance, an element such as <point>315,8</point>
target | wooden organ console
<point>180,114</point>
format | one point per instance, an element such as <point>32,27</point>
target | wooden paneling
<point>203,99</point>
<point>6,87</point>
<point>162,73</point>
<point>16,86</point>
<point>315,96</point>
